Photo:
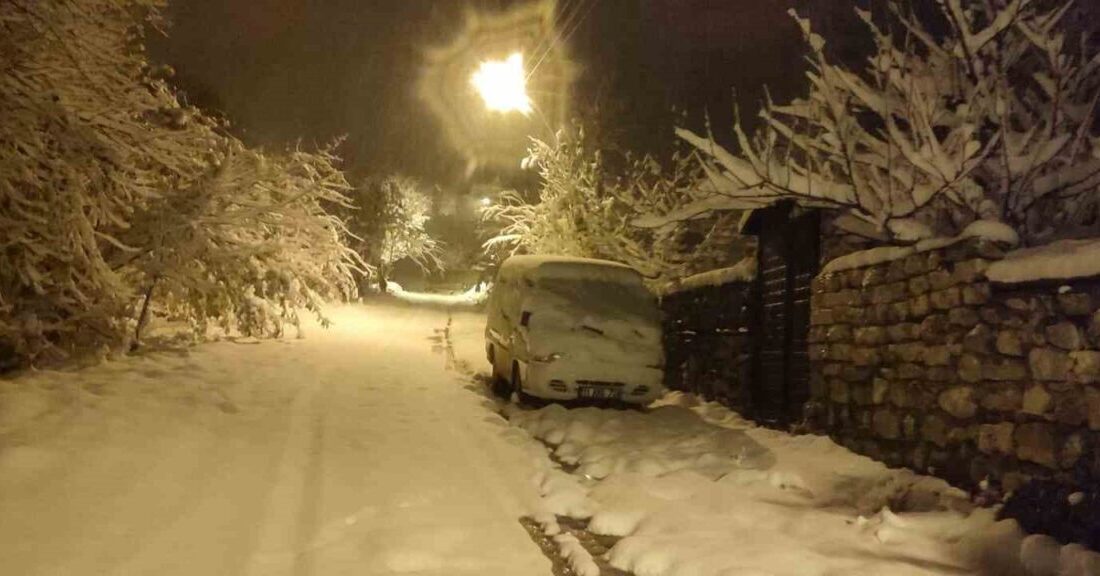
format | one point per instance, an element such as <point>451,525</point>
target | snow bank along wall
<point>924,362</point>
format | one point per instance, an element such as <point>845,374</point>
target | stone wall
<point>922,362</point>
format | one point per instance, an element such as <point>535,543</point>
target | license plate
<point>599,392</point>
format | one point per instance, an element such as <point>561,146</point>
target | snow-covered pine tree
<point>993,120</point>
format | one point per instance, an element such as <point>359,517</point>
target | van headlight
<point>549,357</point>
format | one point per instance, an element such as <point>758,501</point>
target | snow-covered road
<point>352,451</point>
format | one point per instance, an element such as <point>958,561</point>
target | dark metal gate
<point>788,256</point>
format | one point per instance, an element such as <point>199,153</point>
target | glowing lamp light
<point>485,201</point>
<point>502,84</point>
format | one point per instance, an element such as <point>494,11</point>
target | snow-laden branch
<point>931,134</point>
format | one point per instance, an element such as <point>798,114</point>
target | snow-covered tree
<point>112,192</point>
<point>88,136</point>
<point>389,221</point>
<point>993,120</point>
<point>587,207</point>
<point>248,244</point>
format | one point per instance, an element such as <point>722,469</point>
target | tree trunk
<point>143,319</point>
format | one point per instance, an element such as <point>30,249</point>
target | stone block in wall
<point>1086,365</point>
<point>909,429</point>
<point>933,327</point>
<point>1075,303</point>
<point>909,352</point>
<point>877,314</point>
<point>903,332</point>
<point>919,285</point>
<point>978,340</point>
<point>879,389</point>
<point>959,402</point>
<point>866,356</point>
<point>976,294</point>
<point>996,438</point>
<point>870,335</point>
<point>895,271</point>
<point>1037,400</point>
<point>937,356</point>
<point>970,271</point>
<point>1035,443</point>
<point>946,299</point>
<point>816,334</point>
<point>940,279</point>
<point>832,369</point>
<point>817,352</point>
<point>838,352</point>
<point>855,315</point>
<point>1049,364</point>
<point>920,306</point>
<point>819,385</point>
<point>873,276</point>
<point>899,394</point>
<point>860,393</point>
<point>1004,370</point>
<point>970,368</point>
<point>900,312</point>
<point>838,391</point>
<point>940,373</point>
<point>822,317</point>
<point>1071,450</point>
<point>850,373</point>
<point>910,372</point>
<point>1092,403</point>
<point>1065,335</point>
<point>854,278</point>
<point>1094,329</point>
<point>1002,397</point>
<point>889,293</point>
<point>962,316</point>
<point>886,424</point>
<point>934,430</point>
<point>838,333</point>
<point>1071,407</point>
<point>1010,342</point>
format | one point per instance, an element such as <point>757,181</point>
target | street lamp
<point>502,84</point>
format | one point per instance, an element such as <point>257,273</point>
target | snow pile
<point>743,271</point>
<point>982,229</point>
<point>671,438</point>
<point>1057,261</point>
<point>696,490</point>
<point>473,297</point>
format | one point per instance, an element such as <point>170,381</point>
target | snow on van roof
<point>553,266</point>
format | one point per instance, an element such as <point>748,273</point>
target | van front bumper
<point>559,381</point>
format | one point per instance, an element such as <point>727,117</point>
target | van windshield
<point>603,297</point>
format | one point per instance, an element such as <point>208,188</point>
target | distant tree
<point>111,192</point>
<point>994,120</point>
<point>388,220</point>
<point>591,205</point>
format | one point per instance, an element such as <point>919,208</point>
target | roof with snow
<point>570,267</point>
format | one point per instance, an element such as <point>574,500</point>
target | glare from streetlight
<point>502,84</point>
<point>486,201</point>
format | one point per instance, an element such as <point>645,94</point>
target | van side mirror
<point>525,319</point>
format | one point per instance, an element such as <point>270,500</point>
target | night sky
<point>288,70</point>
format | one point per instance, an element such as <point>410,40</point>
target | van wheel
<point>525,399</point>
<point>500,386</point>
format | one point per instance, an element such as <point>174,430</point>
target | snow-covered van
<point>564,328</point>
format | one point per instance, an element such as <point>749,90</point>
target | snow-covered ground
<point>370,449</point>
<point>695,490</point>
<point>352,451</point>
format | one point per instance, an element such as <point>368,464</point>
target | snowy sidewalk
<point>352,451</point>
